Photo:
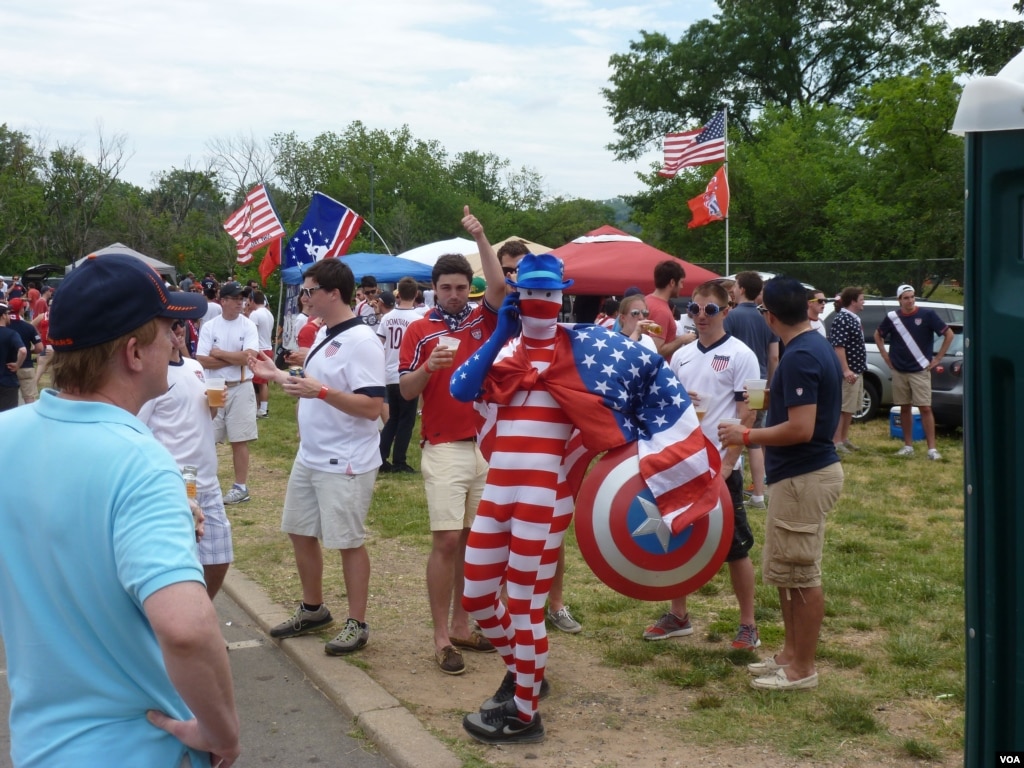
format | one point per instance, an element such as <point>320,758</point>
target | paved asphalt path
<point>286,721</point>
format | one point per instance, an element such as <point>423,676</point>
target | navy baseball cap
<point>111,295</point>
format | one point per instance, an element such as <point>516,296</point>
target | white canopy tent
<point>431,252</point>
<point>169,273</point>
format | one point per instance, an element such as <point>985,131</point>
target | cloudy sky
<point>519,78</point>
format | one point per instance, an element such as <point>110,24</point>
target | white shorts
<point>236,421</point>
<point>454,475</point>
<point>328,506</point>
<point>215,547</point>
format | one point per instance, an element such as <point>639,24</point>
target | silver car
<point>878,377</point>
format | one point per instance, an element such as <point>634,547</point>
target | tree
<point>985,48</point>
<point>75,192</point>
<point>788,53</point>
<point>21,199</point>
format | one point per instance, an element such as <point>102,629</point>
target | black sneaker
<point>502,725</point>
<point>507,690</point>
<point>403,468</point>
<point>303,621</point>
<point>385,468</point>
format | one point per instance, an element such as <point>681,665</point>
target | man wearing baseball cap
<point>12,353</point>
<point>132,661</point>
<point>910,332</point>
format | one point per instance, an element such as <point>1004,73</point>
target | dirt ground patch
<point>596,716</point>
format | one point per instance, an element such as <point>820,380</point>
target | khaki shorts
<point>454,475</point>
<point>27,384</point>
<point>912,388</point>
<point>853,395</point>
<point>236,421</point>
<point>794,534</point>
<point>328,506</point>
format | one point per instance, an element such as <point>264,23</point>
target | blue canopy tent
<point>387,269</point>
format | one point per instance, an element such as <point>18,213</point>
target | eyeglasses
<point>638,312</point>
<point>307,292</point>
<point>710,309</point>
<point>817,301</point>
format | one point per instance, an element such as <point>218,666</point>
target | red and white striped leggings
<point>526,508</point>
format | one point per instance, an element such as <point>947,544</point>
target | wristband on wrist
<point>746,436</point>
<point>322,394</point>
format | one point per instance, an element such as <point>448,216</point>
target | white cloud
<point>519,79</point>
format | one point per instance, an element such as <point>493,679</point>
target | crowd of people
<point>482,362</point>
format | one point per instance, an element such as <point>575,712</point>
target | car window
<point>956,347</point>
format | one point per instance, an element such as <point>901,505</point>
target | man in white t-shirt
<point>341,394</point>
<point>397,432</point>
<point>714,370</point>
<point>264,320</point>
<point>225,345</point>
<point>182,421</point>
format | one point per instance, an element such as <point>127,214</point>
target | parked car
<point>878,377</point>
<point>43,274</point>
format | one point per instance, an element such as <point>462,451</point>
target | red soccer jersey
<point>445,419</point>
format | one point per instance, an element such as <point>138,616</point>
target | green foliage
<point>752,56</point>
<point>984,48</point>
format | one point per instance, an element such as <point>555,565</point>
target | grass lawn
<point>892,644</point>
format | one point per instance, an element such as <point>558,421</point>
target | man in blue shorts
<point>804,481</point>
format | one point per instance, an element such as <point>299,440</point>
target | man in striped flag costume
<point>550,381</point>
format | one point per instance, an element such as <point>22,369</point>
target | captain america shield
<point>628,546</point>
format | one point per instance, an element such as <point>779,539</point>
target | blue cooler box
<point>896,429</point>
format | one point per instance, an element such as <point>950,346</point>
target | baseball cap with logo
<point>231,289</point>
<point>111,295</point>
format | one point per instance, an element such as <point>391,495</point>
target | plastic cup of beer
<point>700,405</point>
<point>730,421</point>
<point>449,342</point>
<point>756,393</point>
<point>216,393</point>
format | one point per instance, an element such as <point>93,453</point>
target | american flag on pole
<point>327,231</point>
<point>255,224</point>
<point>698,147</point>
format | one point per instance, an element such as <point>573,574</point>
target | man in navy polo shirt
<point>804,481</point>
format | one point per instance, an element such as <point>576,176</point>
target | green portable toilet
<point>991,115</point>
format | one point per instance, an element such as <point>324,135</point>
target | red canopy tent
<point>607,261</point>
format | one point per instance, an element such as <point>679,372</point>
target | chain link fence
<point>878,278</point>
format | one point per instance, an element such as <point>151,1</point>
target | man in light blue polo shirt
<point>113,648</point>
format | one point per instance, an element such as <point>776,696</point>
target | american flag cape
<point>615,391</point>
<point>255,224</point>
<point>697,147</point>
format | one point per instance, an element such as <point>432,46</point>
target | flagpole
<point>726,163</point>
<point>386,248</point>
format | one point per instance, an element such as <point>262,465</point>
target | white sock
<point>756,498</point>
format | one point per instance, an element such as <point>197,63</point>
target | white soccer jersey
<point>331,440</point>
<point>718,373</point>
<point>180,420</point>
<point>391,329</point>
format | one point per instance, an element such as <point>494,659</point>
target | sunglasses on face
<point>762,308</point>
<point>710,309</point>
<point>177,325</point>
<point>639,312</point>
<point>509,270</point>
<point>816,301</point>
<point>307,292</point>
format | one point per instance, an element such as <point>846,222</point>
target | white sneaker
<point>906,450</point>
<point>934,455</point>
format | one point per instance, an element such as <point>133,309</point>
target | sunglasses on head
<point>638,312</point>
<point>710,309</point>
